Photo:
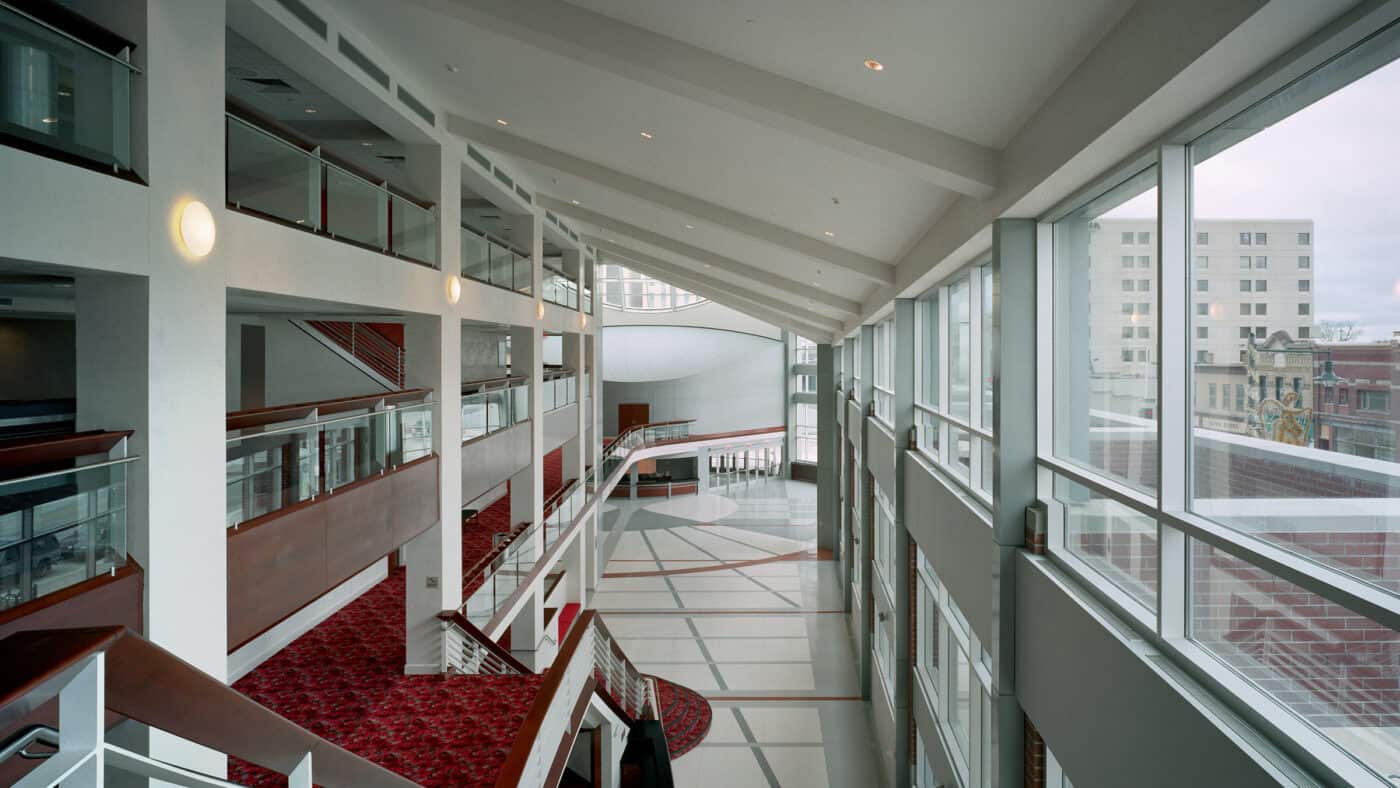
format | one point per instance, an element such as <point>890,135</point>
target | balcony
<point>493,261</point>
<point>558,287</point>
<point>489,406</point>
<point>293,183</point>
<point>65,87</point>
<point>319,491</point>
<point>62,512</point>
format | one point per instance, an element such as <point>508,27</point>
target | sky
<point>1336,162</point>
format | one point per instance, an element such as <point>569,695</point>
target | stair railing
<point>469,651</point>
<point>92,672</point>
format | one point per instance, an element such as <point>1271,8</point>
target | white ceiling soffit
<point>783,286</point>
<point>672,274</point>
<point>639,188</point>
<point>636,53</point>
<point>633,357</point>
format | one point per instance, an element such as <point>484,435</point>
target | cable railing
<point>492,405</point>
<point>467,650</point>
<point>70,91</point>
<point>633,691</point>
<point>362,341</point>
<point>488,259</point>
<point>296,184</point>
<point>63,512</point>
<point>279,457</point>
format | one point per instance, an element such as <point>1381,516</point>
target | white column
<point>433,355</point>
<point>527,486</point>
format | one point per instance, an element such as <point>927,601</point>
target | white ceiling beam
<point>672,271</point>
<point>728,299</point>
<point>782,284</point>
<point>877,271</point>
<point>717,81</point>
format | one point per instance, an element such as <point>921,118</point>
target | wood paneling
<point>291,558</point>
<point>631,414</point>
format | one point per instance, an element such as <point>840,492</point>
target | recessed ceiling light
<point>500,122</point>
<point>49,120</point>
<point>452,68</point>
<point>575,202</point>
<point>646,135</point>
<point>816,284</point>
<point>310,110</point>
<point>828,234</point>
<point>367,144</point>
<point>874,65</point>
<point>690,227</point>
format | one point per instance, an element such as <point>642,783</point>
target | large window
<point>884,371</point>
<point>884,548</point>
<point>804,439</point>
<point>630,291</point>
<point>953,368</point>
<point>953,670</point>
<point>1256,533</point>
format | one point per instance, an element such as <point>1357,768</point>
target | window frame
<point>1167,629</point>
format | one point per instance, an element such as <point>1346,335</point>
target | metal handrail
<point>75,469</point>
<point>65,34</point>
<point>323,422</point>
<point>501,242</point>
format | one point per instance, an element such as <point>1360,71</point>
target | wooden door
<point>630,414</point>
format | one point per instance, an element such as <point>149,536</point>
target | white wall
<point>741,389</point>
<point>299,368</point>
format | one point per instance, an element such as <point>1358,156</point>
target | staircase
<point>364,344</point>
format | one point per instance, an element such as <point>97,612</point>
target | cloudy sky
<point>1336,162</point>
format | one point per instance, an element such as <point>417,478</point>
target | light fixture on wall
<point>583,319</point>
<point>454,288</point>
<point>196,226</point>
<point>874,65</point>
<point>539,310</point>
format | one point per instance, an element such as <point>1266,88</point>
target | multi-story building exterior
<point>1355,402</point>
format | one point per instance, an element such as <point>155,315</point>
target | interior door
<point>630,414</point>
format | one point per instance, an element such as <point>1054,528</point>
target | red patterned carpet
<point>344,681</point>
<point>685,717</point>
<point>478,532</point>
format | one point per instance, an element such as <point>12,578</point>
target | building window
<point>1127,332</point>
<point>1260,332</point>
<point>1246,308</point>
<point>1304,239</point>
<point>1372,400</point>
<point>1261,239</point>
<point>1304,332</point>
<point>1246,262</point>
<point>1127,355</point>
<point>1245,332</point>
<point>1305,308</point>
<point>629,291</point>
<point>1261,309</point>
<point>1144,239</point>
<point>1202,261</point>
<point>1211,388</point>
<point>1144,332</point>
<point>1304,285</point>
<point>884,371</point>
<point>1127,285</point>
<point>1261,262</point>
<point>1244,239</point>
<point>1202,239</point>
<point>1144,261</point>
<point>1239,396</point>
<point>1261,285</point>
<point>1305,261</point>
<point>1127,239</point>
<point>1203,310</point>
<point>1343,397</point>
<point>1202,357</point>
<point>1127,261</point>
<point>1144,285</point>
<point>1144,309</point>
<point>1202,285</point>
<point>1246,286</point>
<point>804,440</point>
<point>1202,332</point>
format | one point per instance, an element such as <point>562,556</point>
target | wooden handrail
<point>482,384</point>
<point>25,453</point>
<point>474,632</point>
<point>278,414</point>
<point>146,683</point>
<point>519,755</point>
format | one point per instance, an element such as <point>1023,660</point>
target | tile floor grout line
<point>709,658</point>
<point>763,764</point>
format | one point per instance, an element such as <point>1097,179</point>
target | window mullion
<point>1173,382</point>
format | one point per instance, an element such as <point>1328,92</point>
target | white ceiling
<point>947,71</point>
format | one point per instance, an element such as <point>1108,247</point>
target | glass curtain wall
<point>1281,586</point>
<point>953,363</point>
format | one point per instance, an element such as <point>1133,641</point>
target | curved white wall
<point>725,380</point>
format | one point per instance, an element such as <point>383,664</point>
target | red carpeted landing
<point>344,681</point>
<point>478,532</point>
<point>685,716</point>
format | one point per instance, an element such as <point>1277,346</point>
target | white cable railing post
<point>301,775</point>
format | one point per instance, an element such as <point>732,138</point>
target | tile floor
<point>723,593</point>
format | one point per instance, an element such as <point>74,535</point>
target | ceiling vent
<point>271,85</point>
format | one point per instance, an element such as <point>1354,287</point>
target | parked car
<point>44,552</point>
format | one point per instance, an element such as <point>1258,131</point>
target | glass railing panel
<point>267,472</point>
<point>502,266</point>
<point>521,407</point>
<point>63,95</point>
<point>474,416</point>
<point>522,278</point>
<point>497,409</point>
<point>272,177</point>
<point>59,529</point>
<point>414,231</point>
<point>476,256</point>
<point>356,209</point>
<point>410,433</point>
<point>354,449</point>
